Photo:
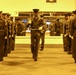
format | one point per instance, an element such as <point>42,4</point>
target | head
<point>4,15</point>
<point>73,15</point>
<point>8,15</point>
<point>35,12</point>
<point>67,16</point>
<point>0,13</point>
<point>19,21</point>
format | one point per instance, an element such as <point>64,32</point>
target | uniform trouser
<point>13,42</point>
<point>42,40</point>
<point>6,47</point>
<point>74,48</point>
<point>10,45</point>
<point>64,43</point>
<point>1,47</point>
<point>57,33</point>
<point>52,33</point>
<point>70,43</point>
<point>35,44</point>
<point>67,43</point>
<point>19,33</point>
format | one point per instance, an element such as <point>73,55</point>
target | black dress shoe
<point>75,61</point>
<point>41,49</point>
<point>35,59</point>
<point>1,59</point>
<point>69,52</point>
<point>5,55</point>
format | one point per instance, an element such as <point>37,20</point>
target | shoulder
<point>2,20</point>
<point>74,20</point>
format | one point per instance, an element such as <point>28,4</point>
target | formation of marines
<point>7,35</point>
<point>9,28</point>
<point>69,34</point>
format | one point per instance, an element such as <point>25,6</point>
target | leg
<point>42,41</point>
<point>74,49</point>
<point>37,39</point>
<point>65,43</point>
<point>5,48</point>
<point>70,43</point>
<point>1,47</point>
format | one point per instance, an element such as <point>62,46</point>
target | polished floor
<point>51,61</point>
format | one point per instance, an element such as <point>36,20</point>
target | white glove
<point>12,35</point>
<point>54,32</point>
<point>9,36</point>
<point>40,28</point>
<point>72,37</point>
<point>5,37</point>
<point>42,31</point>
<point>65,35</point>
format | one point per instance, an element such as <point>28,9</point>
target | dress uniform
<point>52,28</point>
<point>10,33</point>
<point>13,30</point>
<point>2,37</point>
<point>73,35</point>
<point>42,36</point>
<point>20,27</point>
<point>35,34</point>
<point>6,34</point>
<point>66,35</point>
<point>57,27</point>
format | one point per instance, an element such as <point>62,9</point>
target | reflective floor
<point>52,61</point>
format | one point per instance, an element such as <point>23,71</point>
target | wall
<point>75,4</point>
<point>13,6</point>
